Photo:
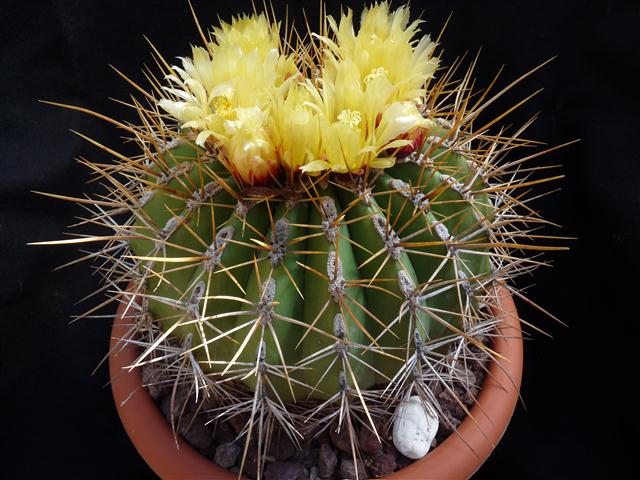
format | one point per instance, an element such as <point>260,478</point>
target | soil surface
<point>328,455</point>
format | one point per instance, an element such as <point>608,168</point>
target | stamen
<point>222,106</point>
<point>375,73</point>
<point>352,118</point>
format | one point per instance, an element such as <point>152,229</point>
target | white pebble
<point>414,428</point>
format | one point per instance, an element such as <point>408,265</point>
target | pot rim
<point>459,456</point>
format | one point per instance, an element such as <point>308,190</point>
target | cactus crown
<point>310,236</point>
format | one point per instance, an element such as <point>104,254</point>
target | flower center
<point>375,73</point>
<point>351,118</point>
<point>222,106</point>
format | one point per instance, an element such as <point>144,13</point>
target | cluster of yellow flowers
<point>244,95</point>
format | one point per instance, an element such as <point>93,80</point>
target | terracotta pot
<point>452,459</point>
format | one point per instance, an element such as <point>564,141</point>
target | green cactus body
<point>308,293</point>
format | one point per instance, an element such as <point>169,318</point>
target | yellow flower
<point>247,33</point>
<point>349,146</point>
<point>242,94</point>
<point>248,147</point>
<point>385,47</point>
<point>234,79</point>
<point>371,83</point>
<point>295,126</point>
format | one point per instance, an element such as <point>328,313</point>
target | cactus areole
<point>314,232</point>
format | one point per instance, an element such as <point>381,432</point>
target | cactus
<point>314,236</point>
<point>321,280</point>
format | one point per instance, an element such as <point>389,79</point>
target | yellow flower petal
<point>315,166</point>
<point>387,162</point>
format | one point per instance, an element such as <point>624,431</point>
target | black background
<point>580,406</point>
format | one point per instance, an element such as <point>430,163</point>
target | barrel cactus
<point>327,280</point>
<point>314,233</point>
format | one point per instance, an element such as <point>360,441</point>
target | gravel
<point>326,456</point>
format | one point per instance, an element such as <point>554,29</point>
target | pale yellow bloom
<point>236,77</point>
<point>371,83</point>
<point>349,146</point>
<point>295,126</point>
<point>242,94</point>
<point>385,45</point>
<point>247,33</point>
<point>248,147</point>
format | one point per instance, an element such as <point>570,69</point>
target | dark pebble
<point>469,396</point>
<point>348,470</point>
<point>450,426</point>
<point>402,461</point>
<point>196,433</point>
<point>322,437</point>
<point>227,454</point>
<point>327,461</point>
<point>307,455</point>
<point>369,443</point>
<point>207,404</point>
<point>341,439</point>
<point>391,449</point>
<point>182,404</point>
<point>285,471</point>
<point>238,421</point>
<point>281,447</point>
<point>223,432</point>
<point>382,464</point>
<point>250,468</point>
<point>450,405</point>
<point>313,474</point>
